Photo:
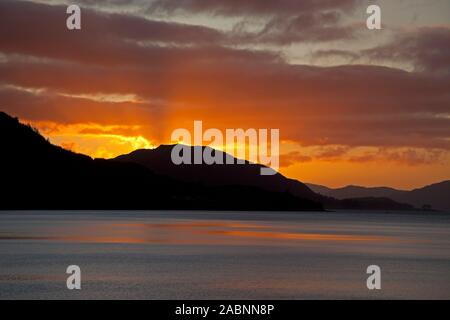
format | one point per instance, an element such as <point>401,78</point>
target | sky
<point>353,105</point>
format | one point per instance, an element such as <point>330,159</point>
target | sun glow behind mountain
<point>353,106</point>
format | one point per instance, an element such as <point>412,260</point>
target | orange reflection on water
<point>201,224</point>
<point>296,236</point>
<point>81,239</point>
<point>185,233</point>
<point>206,232</point>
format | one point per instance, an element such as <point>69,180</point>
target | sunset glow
<point>375,111</point>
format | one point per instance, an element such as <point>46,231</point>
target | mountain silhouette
<point>248,174</point>
<point>352,191</point>
<point>435,196</point>
<point>38,175</point>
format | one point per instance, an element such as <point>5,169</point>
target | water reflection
<point>210,255</point>
<point>184,232</point>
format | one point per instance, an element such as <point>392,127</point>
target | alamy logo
<point>73,22</point>
<point>74,280</point>
<point>374,280</point>
<point>235,143</point>
<point>374,20</point>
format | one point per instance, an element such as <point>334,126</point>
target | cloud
<point>283,22</point>
<point>323,153</point>
<point>422,49</point>
<point>303,27</point>
<point>426,48</point>
<point>364,105</point>
<point>250,7</point>
<point>292,158</point>
<point>404,156</point>
<point>349,56</point>
<point>108,39</point>
<point>95,140</point>
<point>49,73</point>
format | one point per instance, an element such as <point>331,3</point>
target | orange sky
<point>354,106</point>
<point>333,166</point>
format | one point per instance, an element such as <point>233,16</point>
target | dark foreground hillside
<point>38,175</point>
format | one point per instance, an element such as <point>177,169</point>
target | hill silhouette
<point>248,174</point>
<point>435,196</point>
<point>38,175</point>
<point>352,191</point>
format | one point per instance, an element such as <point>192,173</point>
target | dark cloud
<point>363,105</point>
<point>304,27</point>
<point>427,49</point>
<point>327,153</point>
<point>285,21</point>
<point>336,53</point>
<point>40,30</point>
<point>194,76</point>
<point>49,106</point>
<point>294,157</point>
<point>113,40</point>
<point>251,7</point>
<point>404,156</point>
<point>410,157</point>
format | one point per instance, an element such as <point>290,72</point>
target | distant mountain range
<point>159,160</point>
<point>38,175</point>
<point>435,196</point>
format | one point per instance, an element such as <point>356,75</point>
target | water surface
<point>223,255</point>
